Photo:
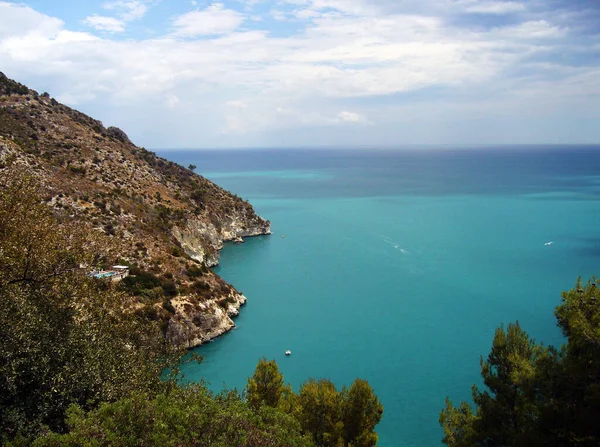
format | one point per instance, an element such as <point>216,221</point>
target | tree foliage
<point>361,412</point>
<point>266,385</point>
<point>183,417</point>
<point>65,338</point>
<point>319,415</point>
<point>332,418</point>
<point>537,395</point>
<point>10,87</point>
<point>319,412</point>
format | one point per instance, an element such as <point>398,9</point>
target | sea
<point>396,265</point>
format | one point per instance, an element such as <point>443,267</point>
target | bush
<point>194,271</point>
<point>201,285</point>
<point>109,229</point>
<point>140,283</point>
<point>190,416</point>
<point>168,306</point>
<point>77,169</point>
<point>169,288</point>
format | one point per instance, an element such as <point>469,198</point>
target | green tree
<point>330,417</point>
<point>361,412</point>
<point>458,425</point>
<point>506,411</point>
<point>192,167</point>
<point>289,401</point>
<point>537,396</point>
<point>185,417</point>
<point>64,337</point>
<point>320,411</point>
<point>575,405</point>
<point>266,384</point>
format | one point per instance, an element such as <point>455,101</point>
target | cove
<point>397,267</point>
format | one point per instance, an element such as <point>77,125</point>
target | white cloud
<point>172,101</point>
<point>127,10</point>
<point>350,117</point>
<point>484,7</point>
<point>363,8</point>
<point>19,20</point>
<point>304,14</point>
<point>279,16</point>
<point>250,3</point>
<point>240,119</point>
<point>212,21</point>
<point>104,23</point>
<point>538,29</point>
<point>233,82</point>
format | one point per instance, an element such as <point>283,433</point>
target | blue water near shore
<point>397,266</point>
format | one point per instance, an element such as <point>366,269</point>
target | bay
<point>396,266</point>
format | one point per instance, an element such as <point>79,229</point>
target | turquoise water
<point>397,266</point>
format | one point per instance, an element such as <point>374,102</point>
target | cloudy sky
<point>278,73</point>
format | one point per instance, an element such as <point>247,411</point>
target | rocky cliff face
<point>165,221</point>
<point>202,240</point>
<point>196,323</point>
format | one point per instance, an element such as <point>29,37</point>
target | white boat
<point>288,352</point>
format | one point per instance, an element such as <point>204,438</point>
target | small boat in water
<point>288,352</point>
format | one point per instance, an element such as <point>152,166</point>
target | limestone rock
<point>202,240</point>
<point>195,324</point>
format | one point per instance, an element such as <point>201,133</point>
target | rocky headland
<point>163,220</point>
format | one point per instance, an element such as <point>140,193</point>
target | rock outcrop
<point>202,240</point>
<point>165,221</point>
<point>196,323</point>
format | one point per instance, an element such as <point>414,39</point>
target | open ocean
<point>398,265</point>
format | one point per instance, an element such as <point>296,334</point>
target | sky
<point>304,73</point>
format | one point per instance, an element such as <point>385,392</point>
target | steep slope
<point>167,222</point>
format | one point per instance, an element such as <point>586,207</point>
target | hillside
<point>166,222</point>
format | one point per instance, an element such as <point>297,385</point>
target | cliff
<point>163,220</point>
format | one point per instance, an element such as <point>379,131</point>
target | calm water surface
<point>397,266</point>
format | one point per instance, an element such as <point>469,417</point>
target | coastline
<point>194,323</point>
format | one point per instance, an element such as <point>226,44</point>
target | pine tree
<point>536,395</point>
<point>361,412</point>
<point>266,385</point>
<point>320,412</point>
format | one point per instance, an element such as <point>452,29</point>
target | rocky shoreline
<point>193,323</point>
<point>197,323</point>
<point>162,218</point>
<point>202,240</point>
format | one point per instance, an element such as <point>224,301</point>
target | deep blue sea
<point>398,265</point>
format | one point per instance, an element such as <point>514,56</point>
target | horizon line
<point>382,147</point>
